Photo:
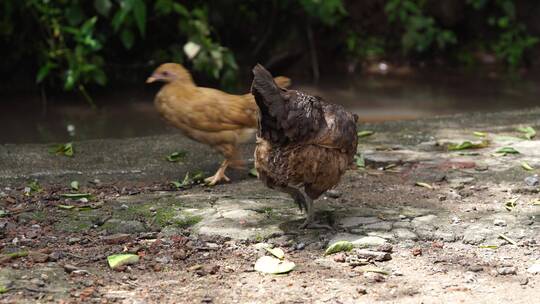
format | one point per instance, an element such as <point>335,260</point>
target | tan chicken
<point>304,144</point>
<point>206,115</point>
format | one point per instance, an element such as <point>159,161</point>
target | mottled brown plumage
<point>206,115</point>
<point>304,144</point>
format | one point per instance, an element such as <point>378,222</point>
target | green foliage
<point>364,47</point>
<point>328,12</point>
<point>75,45</point>
<point>513,39</point>
<point>421,33</point>
<point>69,49</point>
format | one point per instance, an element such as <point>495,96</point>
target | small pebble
<point>532,181</point>
<point>37,282</point>
<point>72,241</point>
<point>333,193</point>
<point>508,270</point>
<point>55,256</point>
<point>499,222</point>
<point>361,290</point>
<point>374,277</point>
<point>416,251</point>
<point>475,268</point>
<point>385,248</point>
<point>300,246</point>
<point>340,257</point>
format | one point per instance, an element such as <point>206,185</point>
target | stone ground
<point>468,233</point>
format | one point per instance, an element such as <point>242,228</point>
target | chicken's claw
<point>311,225</point>
<point>216,178</point>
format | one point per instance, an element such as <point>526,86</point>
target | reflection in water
<point>130,113</point>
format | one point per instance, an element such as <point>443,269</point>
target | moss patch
<point>162,212</point>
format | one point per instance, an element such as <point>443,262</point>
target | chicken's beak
<point>151,79</point>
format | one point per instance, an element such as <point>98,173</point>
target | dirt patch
<point>445,245</point>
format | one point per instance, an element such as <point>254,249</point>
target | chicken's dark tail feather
<point>270,102</point>
<point>264,86</point>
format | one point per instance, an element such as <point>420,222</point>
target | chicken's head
<point>170,72</point>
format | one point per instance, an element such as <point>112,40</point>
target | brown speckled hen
<point>207,115</point>
<point>304,144</point>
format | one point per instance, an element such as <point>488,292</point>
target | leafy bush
<point>75,44</point>
<point>513,39</point>
<point>421,32</point>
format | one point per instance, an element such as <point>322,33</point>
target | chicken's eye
<point>165,73</point>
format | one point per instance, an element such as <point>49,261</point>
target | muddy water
<point>129,112</point>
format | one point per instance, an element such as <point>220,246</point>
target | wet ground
<point>398,95</point>
<point>428,224</point>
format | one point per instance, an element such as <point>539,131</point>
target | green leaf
<point>76,195</point>
<point>468,145</point>
<point>62,149</point>
<point>163,7</point>
<point>74,14</point>
<point>103,7</point>
<point>181,10</point>
<point>506,150</point>
<point>365,133</point>
<point>338,247</point>
<point>253,172</point>
<point>425,185</point>
<point>176,184</point>
<point>33,187</point>
<point>268,264</point>
<point>526,166</point>
<point>119,18</point>
<point>117,260</point>
<point>139,11</point>
<point>128,38</point>
<point>374,269</point>
<point>359,160</point>
<point>70,79</point>
<point>66,207</point>
<point>88,25</point>
<point>44,71</point>
<point>277,252</point>
<point>189,180</point>
<point>469,153</point>
<point>510,204</point>
<point>100,77</point>
<point>17,254</point>
<point>480,134</point>
<point>176,156</point>
<point>74,185</point>
<point>488,246</point>
<point>528,132</point>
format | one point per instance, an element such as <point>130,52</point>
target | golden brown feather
<point>207,115</point>
<point>304,145</point>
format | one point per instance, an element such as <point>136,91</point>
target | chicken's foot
<point>219,176</point>
<point>310,216</point>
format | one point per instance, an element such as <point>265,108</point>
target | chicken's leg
<point>297,196</point>
<point>219,176</point>
<point>310,216</point>
<point>305,203</point>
